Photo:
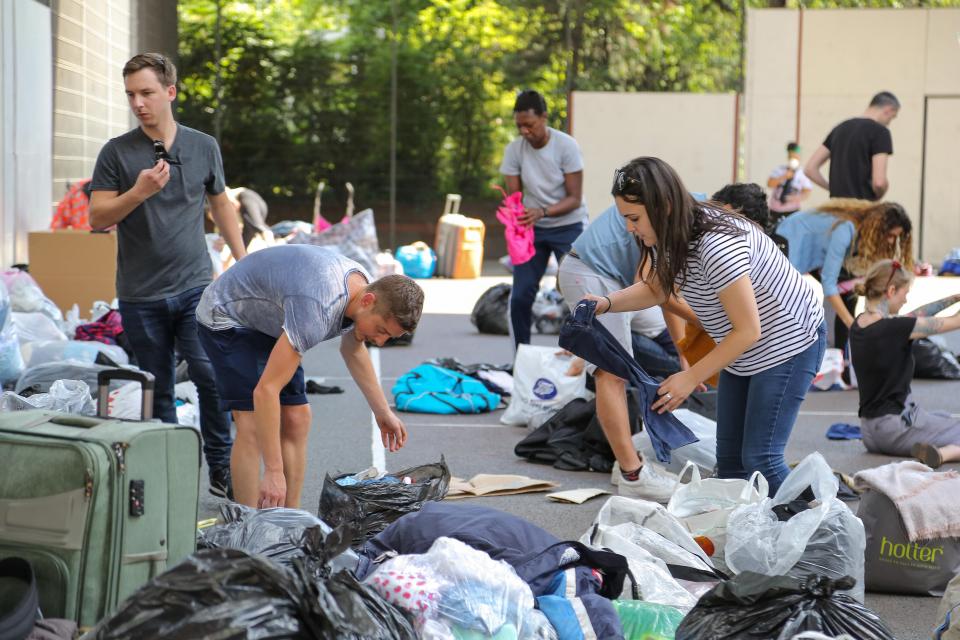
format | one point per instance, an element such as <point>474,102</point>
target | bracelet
<point>545,214</point>
<point>609,304</point>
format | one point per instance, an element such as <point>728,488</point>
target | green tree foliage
<point>305,84</point>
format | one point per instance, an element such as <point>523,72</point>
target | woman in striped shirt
<point>765,319</point>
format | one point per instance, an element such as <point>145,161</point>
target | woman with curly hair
<point>881,342</point>
<point>838,241</point>
<point>763,316</point>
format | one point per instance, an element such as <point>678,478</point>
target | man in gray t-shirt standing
<point>151,183</point>
<point>547,166</point>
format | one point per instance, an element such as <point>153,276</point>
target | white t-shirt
<point>542,173</point>
<point>800,182</point>
<point>790,314</point>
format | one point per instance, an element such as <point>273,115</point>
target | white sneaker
<point>615,474</point>
<point>653,484</point>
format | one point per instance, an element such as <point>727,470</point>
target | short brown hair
<point>161,65</point>
<point>400,298</point>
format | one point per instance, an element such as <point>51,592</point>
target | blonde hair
<point>873,222</point>
<point>880,276</point>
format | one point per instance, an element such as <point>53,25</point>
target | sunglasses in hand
<point>160,153</point>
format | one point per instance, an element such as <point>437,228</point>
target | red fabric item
<point>73,212</point>
<point>519,236</point>
<point>106,329</point>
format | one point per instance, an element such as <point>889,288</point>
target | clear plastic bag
<point>702,453</point>
<point>26,295</point>
<point>74,351</point>
<point>68,396</point>
<point>457,589</point>
<point>34,326</point>
<point>827,539</point>
<point>40,378</point>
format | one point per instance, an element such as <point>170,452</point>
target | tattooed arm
<point>934,308</point>
<point>926,327</point>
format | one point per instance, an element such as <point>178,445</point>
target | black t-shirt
<point>852,145</point>
<point>883,361</point>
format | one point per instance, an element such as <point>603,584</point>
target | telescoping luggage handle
<point>146,380</point>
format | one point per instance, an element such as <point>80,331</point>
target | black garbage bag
<point>373,505</point>
<point>752,606</point>
<point>932,361</point>
<point>491,313</point>
<point>226,594</point>
<point>278,534</point>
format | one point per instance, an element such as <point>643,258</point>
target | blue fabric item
<point>526,276</point>
<point>431,389</point>
<point>843,431</point>
<point>657,356</point>
<point>755,415</point>
<point>816,241</point>
<point>539,558</point>
<point>582,335</point>
<point>418,260</point>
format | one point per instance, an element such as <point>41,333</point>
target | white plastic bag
<point>73,350</point>
<point>11,361</point>
<point>454,585</point>
<point>26,294</point>
<point>827,539</point>
<point>650,538</point>
<point>702,453</point>
<point>831,371</point>
<point>704,506</point>
<point>69,396</point>
<point>33,326</point>
<point>540,384</point>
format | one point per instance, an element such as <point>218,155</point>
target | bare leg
<point>294,432</point>
<point>950,453</point>
<point>615,419</point>
<point>245,460</point>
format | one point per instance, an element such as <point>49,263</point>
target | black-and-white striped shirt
<point>790,313</point>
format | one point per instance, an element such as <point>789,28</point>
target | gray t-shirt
<point>161,249</point>
<point>297,288</point>
<point>541,174</point>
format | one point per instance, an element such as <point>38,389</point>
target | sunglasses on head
<point>160,153</point>
<point>621,180</point>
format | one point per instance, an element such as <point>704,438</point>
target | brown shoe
<point>927,454</point>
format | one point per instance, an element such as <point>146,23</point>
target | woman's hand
<point>674,391</point>
<point>685,366</point>
<point>603,303</point>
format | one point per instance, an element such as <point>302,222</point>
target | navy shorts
<point>239,356</point>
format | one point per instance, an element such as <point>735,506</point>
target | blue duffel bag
<point>418,260</point>
<point>431,389</point>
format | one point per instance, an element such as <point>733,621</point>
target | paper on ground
<point>576,496</point>
<point>486,484</point>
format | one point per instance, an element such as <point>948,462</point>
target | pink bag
<point>519,237</point>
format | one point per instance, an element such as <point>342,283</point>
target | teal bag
<point>647,620</point>
<point>431,389</point>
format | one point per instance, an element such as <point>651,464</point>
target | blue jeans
<point>755,415</point>
<point>658,356</point>
<point>526,276</point>
<point>155,329</point>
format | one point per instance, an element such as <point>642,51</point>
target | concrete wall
<point>846,56</point>
<point>692,132</point>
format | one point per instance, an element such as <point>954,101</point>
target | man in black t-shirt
<point>858,150</point>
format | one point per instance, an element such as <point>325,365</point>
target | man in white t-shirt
<point>546,165</point>
<point>789,185</point>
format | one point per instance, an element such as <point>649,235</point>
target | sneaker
<point>615,474</point>
<point>928,454</point>
<point>653,484</point>
<point>221,484</point>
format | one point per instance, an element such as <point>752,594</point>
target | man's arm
<point>357,358</point>
<point>879,182</point>
<point>108,208</point>
<point>280,367</point>
<point>573,186</point>
<point>513,184</point>
<point>812,168</point>
<point>224,215</point>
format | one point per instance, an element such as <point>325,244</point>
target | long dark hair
<point>676,217</point>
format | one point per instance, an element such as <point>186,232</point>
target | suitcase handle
<point>146,380</point>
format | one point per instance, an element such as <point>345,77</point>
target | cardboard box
<point>74,267</point>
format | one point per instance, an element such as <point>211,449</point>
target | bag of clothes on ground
<point>803,530</point>
<point>912,518</point>
<point>355,238</point>
<point>932,359</point>
<point>68,396</point>
<point>370,500</point>
<point>752,606</point>
<point>11,361</point>
<point>491,312</point>
<point>541,386</point>
<point>418,260</point>
<point>496,378</point>
<point>431,389</point>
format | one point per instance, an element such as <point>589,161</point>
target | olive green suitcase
<point>97,505</point>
